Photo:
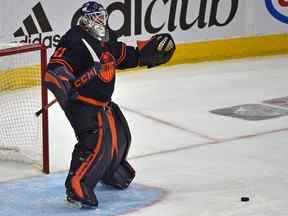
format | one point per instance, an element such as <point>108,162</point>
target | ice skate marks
<point>44,196</point>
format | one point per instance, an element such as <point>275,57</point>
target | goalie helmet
<point>94,19</point>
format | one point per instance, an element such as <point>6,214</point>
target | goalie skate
<point>78,204</point>
<point>74,201</point>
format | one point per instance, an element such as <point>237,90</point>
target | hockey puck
<point>245,199</point>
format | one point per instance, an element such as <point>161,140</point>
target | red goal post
<point>24,136</point>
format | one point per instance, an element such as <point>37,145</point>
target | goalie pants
<point>103,143</point>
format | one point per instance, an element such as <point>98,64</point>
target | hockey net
<point>23,135</point>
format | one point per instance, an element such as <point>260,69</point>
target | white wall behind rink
<point>187,20</point>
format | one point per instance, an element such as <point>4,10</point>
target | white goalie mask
<point>94,20</point>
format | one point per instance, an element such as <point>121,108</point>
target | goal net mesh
<point>20,98</point>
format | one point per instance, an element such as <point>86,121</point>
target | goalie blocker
<point>156,51</point>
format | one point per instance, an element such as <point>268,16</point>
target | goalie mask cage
<point>23,135</point>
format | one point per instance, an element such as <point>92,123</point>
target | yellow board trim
<point>230,48</point>
<point>16,78</point>
<point>185,53</point>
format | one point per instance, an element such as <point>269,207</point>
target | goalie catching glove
<point>156,51</point>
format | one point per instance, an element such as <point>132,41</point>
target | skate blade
<point>78,205</point>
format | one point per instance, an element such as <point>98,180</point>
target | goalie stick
<point>82,80</point>
<point>46,107</point>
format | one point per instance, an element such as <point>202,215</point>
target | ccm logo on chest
<point>106,74</point>
<point>82,80</point>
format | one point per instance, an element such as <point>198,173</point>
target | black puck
<point>245,199</point>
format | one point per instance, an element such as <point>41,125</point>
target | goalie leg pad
<point>120,173</point>
<point>91,156</point>
<point>122,177</point>
<point>78,190</point>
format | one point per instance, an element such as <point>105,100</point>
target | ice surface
<point>205,162</point>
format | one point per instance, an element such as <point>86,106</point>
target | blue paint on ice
<point>44,196</point>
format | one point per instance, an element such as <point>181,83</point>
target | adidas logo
<point>35,27</point>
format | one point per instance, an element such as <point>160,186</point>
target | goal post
<point>23,136</point>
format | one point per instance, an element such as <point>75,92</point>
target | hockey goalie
<point>81,75</point>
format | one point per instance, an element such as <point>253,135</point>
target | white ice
<point>205,162</point>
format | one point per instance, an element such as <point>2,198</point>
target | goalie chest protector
<point>78,51</point>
